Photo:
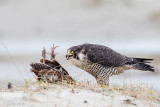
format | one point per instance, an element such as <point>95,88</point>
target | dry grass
<point>138,91</point>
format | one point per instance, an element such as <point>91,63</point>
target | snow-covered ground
<point>62,96</point>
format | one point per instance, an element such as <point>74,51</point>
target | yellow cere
<point>69,53</point>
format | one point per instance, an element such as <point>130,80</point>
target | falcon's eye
<point>74,51</point>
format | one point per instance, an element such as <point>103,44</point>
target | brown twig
<point>44,54</point>
<point>52,52</point>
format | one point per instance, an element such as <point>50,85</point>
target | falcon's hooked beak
<point>69,54</point>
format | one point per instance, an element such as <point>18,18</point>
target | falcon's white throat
<point>80,61</point>
<point>81,56</point>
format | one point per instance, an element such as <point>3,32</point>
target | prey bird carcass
<point>50,70</point>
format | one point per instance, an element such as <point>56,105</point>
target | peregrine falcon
<point>103,62</point>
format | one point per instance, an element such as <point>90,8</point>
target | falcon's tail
<point>145,67</point>
<point>141,64</point>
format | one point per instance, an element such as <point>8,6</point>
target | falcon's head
<point>76,52</point>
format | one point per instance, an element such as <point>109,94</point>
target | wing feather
<point>105,56</point>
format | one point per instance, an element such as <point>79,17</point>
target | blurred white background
<point>131,27</point>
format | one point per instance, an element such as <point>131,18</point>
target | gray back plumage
<point>104,56</point>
